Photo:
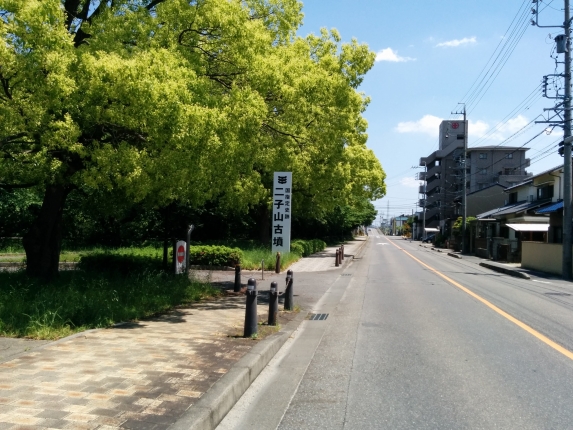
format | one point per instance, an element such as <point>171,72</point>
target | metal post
<point>336,263</point>
<point>174,256</point>
<point>273,304</point>
<point>289,299</point>
<point>278,263</point>
<point>187,258</point>
<point>342,252</point>
<point>263,269</point>
<point>237,287</point>
<point>251,321</point>
<point>567,210</point>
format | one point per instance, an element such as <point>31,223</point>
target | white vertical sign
<point>280,227</point>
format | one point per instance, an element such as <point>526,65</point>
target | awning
<point>528,227</point>
<point>432,229</point>
<point>551,208</point>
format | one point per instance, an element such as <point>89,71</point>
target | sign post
<point>180,253</point>
<point>280,227</point>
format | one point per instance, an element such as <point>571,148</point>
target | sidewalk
<point>511,269</point>
<point>152,373</point>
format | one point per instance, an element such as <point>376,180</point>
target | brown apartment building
<point>443,175</point>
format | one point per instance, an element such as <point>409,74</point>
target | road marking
<point>493,307</point>
<point>541,282</point>
<point>380,243</point>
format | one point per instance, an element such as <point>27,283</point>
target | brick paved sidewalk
<point>142,375</point>
<point>138,376</point>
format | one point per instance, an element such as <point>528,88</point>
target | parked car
<point>429,238</point>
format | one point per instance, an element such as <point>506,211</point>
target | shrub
<point>307,247</point>
<point>213,255</point>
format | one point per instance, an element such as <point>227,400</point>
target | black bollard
<point>278,263</point>
<point>342,252</point>
<point>289,300</point>
<point>273,304</point>
<point>336,263</point>
<point>251,321</point>
<point>237,287</point>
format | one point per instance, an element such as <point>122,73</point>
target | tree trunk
<point>264,224</point>
<point>43,241</point>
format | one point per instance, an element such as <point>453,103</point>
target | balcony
<point>422,176</point>
<point>422,203</point>
<point>422,189</point>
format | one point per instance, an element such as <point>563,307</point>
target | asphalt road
<point>405,348</point>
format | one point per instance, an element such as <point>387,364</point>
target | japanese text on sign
<point>280,227</point>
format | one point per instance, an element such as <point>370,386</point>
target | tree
<point>158,101</point>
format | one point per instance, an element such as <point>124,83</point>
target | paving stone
<point>142,375</point>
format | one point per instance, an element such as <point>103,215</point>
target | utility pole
<point>465,179</point>
<point>567,215</point>
<point>563,46</point>
<point>424,206</point>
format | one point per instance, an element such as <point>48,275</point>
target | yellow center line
<point>490,305</point>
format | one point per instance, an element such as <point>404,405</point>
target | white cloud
<point>409,182</point>
<point>477,128</point>
<point>428,124</point>
<point>389,54</point>
<point>480,128</point>
<point>457,42</point>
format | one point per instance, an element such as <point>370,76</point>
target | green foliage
<point>307,247</point>
<point>254,256</point>
<point>458,224</point>
<point>17,209</point>
<point>213,255</point>
<point>193,102</point>
<point>79,300</point>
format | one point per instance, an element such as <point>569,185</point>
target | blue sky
<point>432,54</point>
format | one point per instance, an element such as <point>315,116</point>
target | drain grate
<point>557,294</point>
<point>347,274</point>
<point>319,317</point>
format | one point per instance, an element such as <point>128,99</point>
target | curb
<point>210,410</point>
<point>451,254</point>
<point>507,271</point>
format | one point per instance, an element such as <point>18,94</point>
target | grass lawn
<point>80,300</point>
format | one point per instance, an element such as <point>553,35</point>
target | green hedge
<point>307,247</point>
<point>213,255</point>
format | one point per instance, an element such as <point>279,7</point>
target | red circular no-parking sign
<point>181,253</point>
<point>455,125</point>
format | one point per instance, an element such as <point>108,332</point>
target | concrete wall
<point>485,200</point>
<point>546,257</point>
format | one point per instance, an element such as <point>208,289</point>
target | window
<point>483,172</point>
<point>460,137</point>
<point>545,192</point>
<point>508,171</point>
<point>513,197</point>
<point>509,155</point>
<point>483,155</point>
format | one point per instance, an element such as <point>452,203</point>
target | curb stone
<point>506,270</point>
<point>210,410</point>
<point>451,254</point>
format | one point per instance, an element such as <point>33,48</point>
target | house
<point>501,232</point>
